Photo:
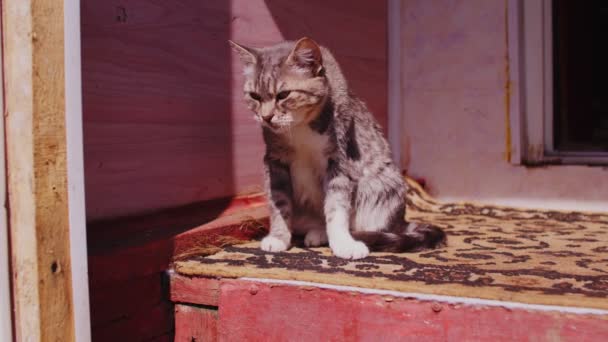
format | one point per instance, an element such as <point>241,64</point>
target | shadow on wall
<point>165,126</point>
<point>157,101</point>
<point>157,95</point>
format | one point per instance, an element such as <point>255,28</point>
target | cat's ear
<point>248,55</point>
<point>306,54</point>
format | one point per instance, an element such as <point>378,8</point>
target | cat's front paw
<point>350,249</point>
<point>273,244</point>
<point>315,238</point>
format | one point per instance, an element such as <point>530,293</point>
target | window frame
<point>530,88</point>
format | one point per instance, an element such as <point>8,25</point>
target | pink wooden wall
<point>164,124</point>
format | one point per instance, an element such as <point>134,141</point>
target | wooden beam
<point>256,311</point>
<point>195,323</point>
<point>35,118</point>
<point>200,291</point>
<point>5,292</point>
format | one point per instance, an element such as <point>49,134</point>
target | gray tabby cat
<point>328,168</point>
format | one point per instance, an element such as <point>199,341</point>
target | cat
<point>329,173</point>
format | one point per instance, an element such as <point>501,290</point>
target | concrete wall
<point>454,105</point>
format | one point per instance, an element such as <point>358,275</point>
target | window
<point>559,81</point>
<point>580,52</point>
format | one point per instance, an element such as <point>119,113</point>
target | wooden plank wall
<point>164,123</point>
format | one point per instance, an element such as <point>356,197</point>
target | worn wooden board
<point>253,311</point>
<point>195,324</point>
<point>34,85</point>
<point>195,290</point>
<point>6,320</point>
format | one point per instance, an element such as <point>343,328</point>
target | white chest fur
<point>308,166</point>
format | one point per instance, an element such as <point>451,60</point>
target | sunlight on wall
<point>252,25</point>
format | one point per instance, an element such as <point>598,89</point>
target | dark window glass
<point>580,43</point>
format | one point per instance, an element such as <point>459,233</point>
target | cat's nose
<point>268,117</point>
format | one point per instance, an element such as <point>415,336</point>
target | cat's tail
<point>414,238</point>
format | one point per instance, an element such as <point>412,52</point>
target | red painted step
<point>250,310</point>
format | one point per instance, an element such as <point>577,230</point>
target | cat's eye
<point>283,95</point>
<point>255,96</point>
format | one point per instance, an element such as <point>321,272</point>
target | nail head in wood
<point>253,289</point>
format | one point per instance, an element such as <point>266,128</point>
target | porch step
<point>506,274</point>
<point>210,309</point>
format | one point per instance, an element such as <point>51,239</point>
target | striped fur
<point>328,168</point>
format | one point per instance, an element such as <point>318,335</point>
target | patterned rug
<point>499,253</point>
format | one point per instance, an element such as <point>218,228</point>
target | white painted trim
<point>6,326</point>
<point>438,298</point>
<point>547,22</point>
<point>516,108</point>
<point>533,87</point>
<point>394,79</point>
<point>597,206</point>
<point>531,77</point>
<point>75,170</point>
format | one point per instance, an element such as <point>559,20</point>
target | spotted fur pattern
<point>328,168</point>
